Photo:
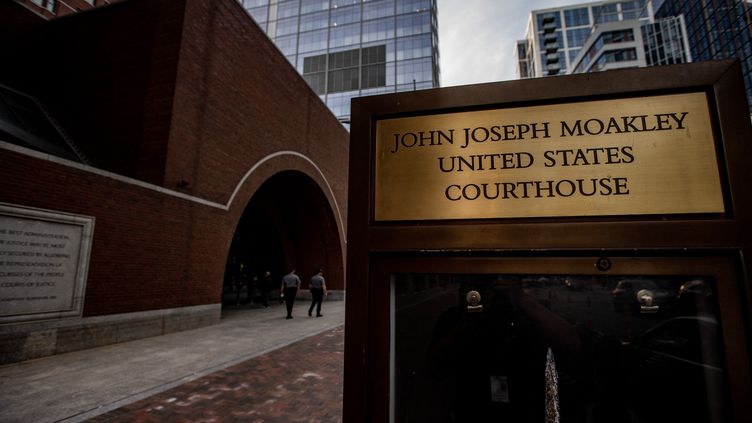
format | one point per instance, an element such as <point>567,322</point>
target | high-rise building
<point>716,29</point>
<point>633,43</point>
<point>351,48</point>
<point>555,36</point>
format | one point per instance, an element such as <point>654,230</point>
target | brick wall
<point>166,91</point>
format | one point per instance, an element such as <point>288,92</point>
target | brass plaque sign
<point>647,155</point>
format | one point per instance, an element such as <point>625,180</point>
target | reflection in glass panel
<point>307,6</point>
<point>314,40</point>
<point>345,15</point>
<point>380,29</point>
<point>577,37</point>
<point>577,17</point>
<point>287,8</point>
<point>416,23</point>
<point>314,21</point>
<point>345,35</point>
<point>493,348</point>
<point>378,9</point>
<point>414,47</point>
<point>286,26</point>
<point>407,6</point>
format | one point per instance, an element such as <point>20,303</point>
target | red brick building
<point>190,139</point>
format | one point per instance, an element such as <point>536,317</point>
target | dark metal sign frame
<point>378,247</point>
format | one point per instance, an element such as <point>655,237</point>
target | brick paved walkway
<point>301,382</point>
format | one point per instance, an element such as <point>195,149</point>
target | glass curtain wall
<point>352,48</point>
<point>717,29</point>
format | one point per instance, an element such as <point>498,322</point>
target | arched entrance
<point>288,222</point>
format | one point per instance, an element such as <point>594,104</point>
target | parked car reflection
<point>675,373</point>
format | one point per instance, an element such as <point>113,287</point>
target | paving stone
<point>298,383</point>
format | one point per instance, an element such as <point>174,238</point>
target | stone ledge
<point>20,342</point>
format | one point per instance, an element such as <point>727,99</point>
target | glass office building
<point>352,48</point>
<point>717,29</point>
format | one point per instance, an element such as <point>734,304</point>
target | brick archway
<point>288,221</point>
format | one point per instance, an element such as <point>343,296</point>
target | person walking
<point>289,289</point>
<point>318,291</point>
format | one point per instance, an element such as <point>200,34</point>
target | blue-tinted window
<point>308,6</point>
<point>632,9</point>
<point>287,8</point>
<point>314,21</point>
<point>378,9</point>
<point>417,23</point>
<point>418,69</point>
<point>577,17</point>
<point>342,3</point>
<point>345,35</point>
<point>605,13</point>
<point>407,6</point>
<point>312,41</point>
<point>345,15</point>
<point>287,26</point>
<point>577,37</point>
<point>379,29</point>
<point>414,47</point>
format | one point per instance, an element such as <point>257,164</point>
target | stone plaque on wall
<point>44,258</point>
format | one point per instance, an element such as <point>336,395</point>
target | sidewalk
<point>223,372</point>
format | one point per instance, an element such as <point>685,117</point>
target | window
<point>345,15</point>
<point>345,35</point>
<point>411,6</point>
<point>341,3</point>
<point>605,13</point>
<point>374,69</point>
<point>287,26</point>
<point>308,6</point>
<point>577,37</point>
<point>348,70</point>
<point>414,47</point>
<point>287,9</point>
<point>378,9</point>
<point>417,23</point>
<point>577,17</point>
<point>417,70</point>
<point>618,36</point>
<point>380,29</point>
<point>549,19</point>
<point>314,21</point>
<point>312,41</point>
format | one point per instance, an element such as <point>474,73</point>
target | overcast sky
<point>477,38</point>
